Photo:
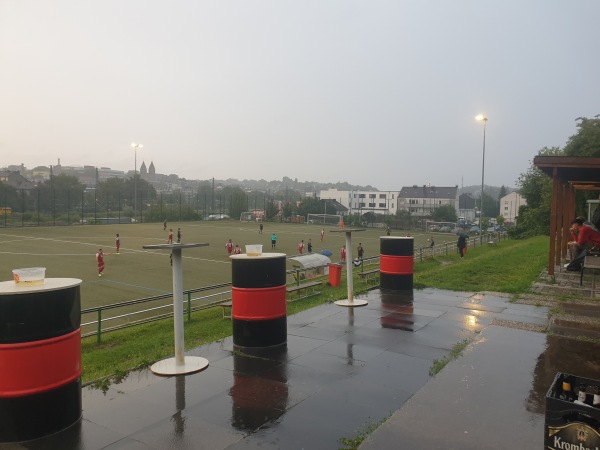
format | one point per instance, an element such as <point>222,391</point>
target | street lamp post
<point>135,148</point>
<point>482,118</point>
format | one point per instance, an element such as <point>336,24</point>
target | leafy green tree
<point>310,205</point>
<point>60,193</point>
<point>118,194</point>
<point>445,213</point>
<point>238,202</point>
<point>9,197</point>
<point>531,222</point>
<point>288,210</point>
<point>112,192</point>
<point>205,196</point>
<point>403,219</point>
<point>490,206</point>
<point>534,184</point>
<point>586,142</point>
<point>256,200</point>
<point>502,193</point>
<point>271,210</point>
<point>536,188</point>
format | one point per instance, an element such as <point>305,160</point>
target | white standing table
<point>350,302</point>
<point>180,364</point>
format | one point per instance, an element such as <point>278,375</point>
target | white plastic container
<point>29,276</point>
<point>254,250</point>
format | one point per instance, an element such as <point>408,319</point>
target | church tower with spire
<point>143,170</point>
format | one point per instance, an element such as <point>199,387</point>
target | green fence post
<point>99,331</point>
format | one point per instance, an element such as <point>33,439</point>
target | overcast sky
<point>370,92</point>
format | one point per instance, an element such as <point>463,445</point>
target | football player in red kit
<point>100,261</point>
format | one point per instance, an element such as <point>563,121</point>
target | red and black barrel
<point>258,308</point>
<point>40,358</point>
<point>396,261</point>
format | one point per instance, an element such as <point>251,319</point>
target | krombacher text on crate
<point>572,414</point>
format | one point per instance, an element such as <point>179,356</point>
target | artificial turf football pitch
<point>69,252</point>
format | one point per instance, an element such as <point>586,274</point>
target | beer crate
<point>571,425</point>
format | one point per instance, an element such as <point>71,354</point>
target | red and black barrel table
<point>40,358</point>
<point>258,312</point>
<point>396,262</point>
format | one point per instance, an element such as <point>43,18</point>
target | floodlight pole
<point>484,119</point>
<point>135,147</point>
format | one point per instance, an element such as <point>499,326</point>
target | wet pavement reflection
<point>397,310</point>
<point>342,368</point>
<point>178,418</point>
<point>260,390</point>
<point>562,354</point>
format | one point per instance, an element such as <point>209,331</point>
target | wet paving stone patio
<point>342,369</point>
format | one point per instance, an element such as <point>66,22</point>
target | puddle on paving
<point>259,391</point>
<point>562,354</point>
<point>397,310</point>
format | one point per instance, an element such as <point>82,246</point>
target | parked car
<point>445,229</point>
<point>434,228</point>
<point>474,229</point>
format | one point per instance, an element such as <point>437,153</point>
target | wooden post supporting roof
<point>569,174</point>
<point>553,221</point>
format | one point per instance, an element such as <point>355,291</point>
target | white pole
<point>178,306</point>
<point>350,302</point>
<point>349,265</point>
<point>180,364</point>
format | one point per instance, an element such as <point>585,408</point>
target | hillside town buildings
<point>420,201</point>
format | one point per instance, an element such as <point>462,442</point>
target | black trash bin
<point>572,413</point>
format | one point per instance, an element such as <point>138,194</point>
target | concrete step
<point>582,309</point>
<point>575,326</point>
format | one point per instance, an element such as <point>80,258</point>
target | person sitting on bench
<point>584,238</point>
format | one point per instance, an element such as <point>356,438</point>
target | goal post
<point>257,215</point>
<point>323,219</point>
<point>247,216</point>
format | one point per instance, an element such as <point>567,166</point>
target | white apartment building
<point>509,207</point>
<point>360,202</point>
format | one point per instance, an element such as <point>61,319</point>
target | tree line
<point>536,187</point>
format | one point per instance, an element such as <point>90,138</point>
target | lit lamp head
<point>481,118</point>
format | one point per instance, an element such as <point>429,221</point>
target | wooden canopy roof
<point>581,173</point>
<point>568,174</point>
